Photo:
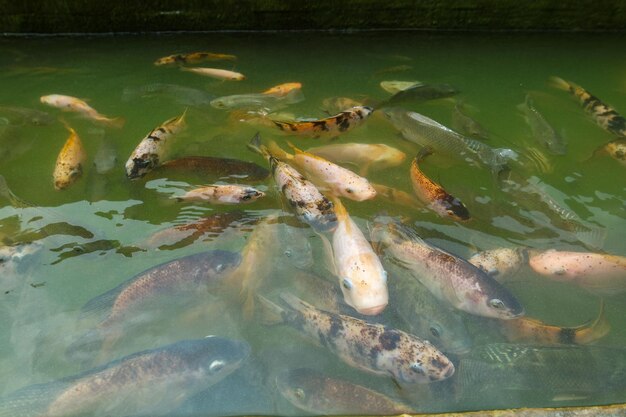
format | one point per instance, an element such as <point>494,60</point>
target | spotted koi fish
<point>193,58</point>
<point>433,194</point>
<point>150,151</point>
<point>604,115</point>
<point>339,123</point>
<point>76,105</point>
<point>373,348</point>
<point>617,150</point>
<point>307,201</point>
<point>527,330</point>
<point>500,263</point>
<point>70,161</point>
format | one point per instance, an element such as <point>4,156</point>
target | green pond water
<point>92,236</point>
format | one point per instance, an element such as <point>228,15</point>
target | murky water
<point>100,231</point>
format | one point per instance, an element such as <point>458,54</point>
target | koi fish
<point>282,90</point>
<point>325,174</point>
<point>433,194</point>
<point>214,168</point>
<point>150,151</point>
<point>307,201</point>
<point>339,123</point>
<point>527,330</point>
<point>319,394</point>
<point>263,101</point>
<point>617,150</point>
<point>365,156</point>
<point>605,274</point>
<point>541,129</point>
<point>604,115</point>
<point>70,161</point>
<point>193,57</point>
<point>396,196</point>
<point>500,263</point>
<point>222,194</point>
<point>362,278</point>
<point>150,382</point>
<point>220,74</point>
<point>373,348</point>
<point>76,105</point>
<point>448,277</point>
<point>394,87</point>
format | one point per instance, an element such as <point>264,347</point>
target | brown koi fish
<point>193,58</point>
<point>433,194</point>
<point>527,330</point>
<point>339,123</point>
<point>70,161</point>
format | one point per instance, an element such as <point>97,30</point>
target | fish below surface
<point>151,382</point>
<point>615,410</point>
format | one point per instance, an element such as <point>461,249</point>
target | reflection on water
<point>109,287</point>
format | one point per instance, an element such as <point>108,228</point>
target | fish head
<point>250,194</point>
<point>364,286</point>
<point>212,358</point>
<point>452,207</point>
<point>359,190</point>
<point>446,331</point>
<point>66,177</point>
<point>498,302</point>
<point>361,112</point>
<point>220,103</point>
<point>140,166</point>
<point>165,60</point>
<point>298,386</point>
<point>420,362</point>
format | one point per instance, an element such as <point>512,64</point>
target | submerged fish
<point>150,151</point>
<point>22,115</point>
<point>419,93</point>
<point>319,394</point>
<point>427,132</point>
<point>215,168</point>
<point>617,150</point>
<point>541,129</point>
<point>265,101</point>
<point>186,275</point>
<point>73,104</point>
<point>363,155</point>
<point>547,372</point>
<point>106,157</point>
<point>362,277</point>
<point>397,196</point>
<point>370,347</point>
<point>598,272</point>
<point>69,165</point>
<point>500,263</point>
<point>465,124</point>
<point>527,330</point>
<point>614,410</point>
<point>334,105</point>
<point>604,115</point>
<point>448,277</point>
<point>305,199</point>
<point>339,123</point>
<point>327,175</point>
<point>222,194</point>
<point>193,57</point>
<point>427,317</point>
<point>394,87</point>
<point>220,74</point>
<point>180,94</point>
<point>433,194</point>
<point>185,234</point>
<point>151,382</point>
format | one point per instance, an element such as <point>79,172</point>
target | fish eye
<point>219,268</point>
<point>385,275</point>
<point>415,367</point>
<point>299,393</point>
<point>496,303</point>
<point>347,284</point>
<point>246,197</point>
<point>216,366</point>
<point>349,190</point>
<point>435,331</point>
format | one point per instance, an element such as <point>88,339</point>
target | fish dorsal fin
<point>278,152</point>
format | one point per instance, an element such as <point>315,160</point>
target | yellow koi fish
<point>363,155</point>
<point>70,161</point>
<point>361,275</point>
<point>341,181</point>
<point>282,90</point>
<point>604,115</point>
<point>76,105</point>
<point>527,330</point>
<point>220,74</point>
<point>433,194</point>
<point>193,57</point>
<point>339,123</point>
<point>150,151</point>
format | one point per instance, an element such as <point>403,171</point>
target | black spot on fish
<point>300,204</point>
<point>322,337</point>
<point>336,326</point>
<point>154,138</point>
<point>389,339</point>
<point>617,124</point>
<point>374,352</point>
<point>567,336</point>
<point>321,125</point>
<point>438,364</point>
<point>344,124</point>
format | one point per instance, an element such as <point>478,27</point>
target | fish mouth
<point>372,311</point>
<point>449,372</point>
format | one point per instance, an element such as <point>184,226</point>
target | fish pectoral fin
<point>269,313</point>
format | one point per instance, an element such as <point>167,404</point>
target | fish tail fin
<point>269,313</point>
<point>560,83</point>
<point>423,153</point>
<point>340,209</point>
<point>294,147</point>
<point>6,192</point>
<point>256,146</point>
<point>116,122</point>
<point>599,328</point>
<point>183,68</point>
<point>277,152</point>
<point>33,400</point>
<point>593,237</point>
<point>294,302</point>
